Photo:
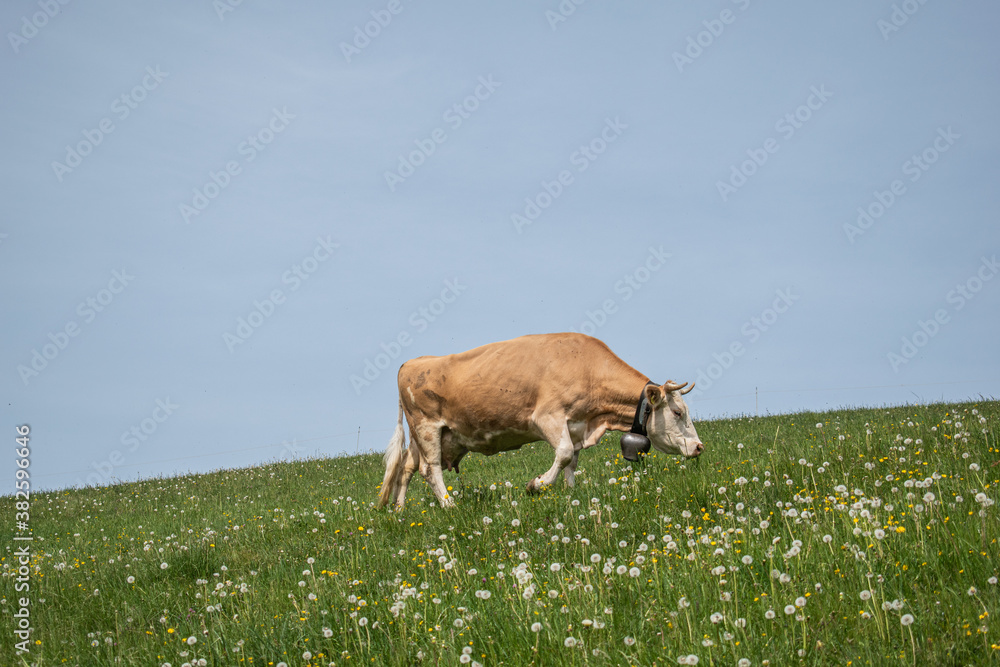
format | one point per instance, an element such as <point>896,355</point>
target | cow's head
<point>669,427</point>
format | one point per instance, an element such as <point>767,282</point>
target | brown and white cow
<point>564,388</point>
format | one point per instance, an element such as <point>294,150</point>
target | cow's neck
<point>623,399</point>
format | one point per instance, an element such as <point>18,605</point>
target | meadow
<point>854,537</point>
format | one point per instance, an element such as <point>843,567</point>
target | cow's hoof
<point>536,485</point>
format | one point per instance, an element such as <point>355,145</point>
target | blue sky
<point>215,221</point>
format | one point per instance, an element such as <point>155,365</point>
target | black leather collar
<point>642,411</point>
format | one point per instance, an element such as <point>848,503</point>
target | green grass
<point>265,564</point>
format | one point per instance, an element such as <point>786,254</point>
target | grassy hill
<point>861,537</point>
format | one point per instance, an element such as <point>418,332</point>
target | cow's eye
<point>677,413</point>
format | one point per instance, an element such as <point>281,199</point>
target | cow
<point>565,388</point>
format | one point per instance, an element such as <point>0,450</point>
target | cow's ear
<point>654,394</point>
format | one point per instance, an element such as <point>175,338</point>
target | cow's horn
<point>673,386</point>
<point>688,389</point>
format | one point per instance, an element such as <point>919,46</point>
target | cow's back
<point>500,385</point>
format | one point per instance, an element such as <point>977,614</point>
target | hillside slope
<point>849,537</point>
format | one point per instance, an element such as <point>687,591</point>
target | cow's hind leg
<point>411,466</point>
<point>556,432</point>
<point>569,472</point>
<point>435,477</point>
<point>429,437</point>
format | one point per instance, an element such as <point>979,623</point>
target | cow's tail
<point>395,459</point>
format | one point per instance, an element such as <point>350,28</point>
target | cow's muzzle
<point>634,444</point>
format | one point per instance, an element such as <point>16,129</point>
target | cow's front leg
<point>557,434</point>
<point>589,439</point>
